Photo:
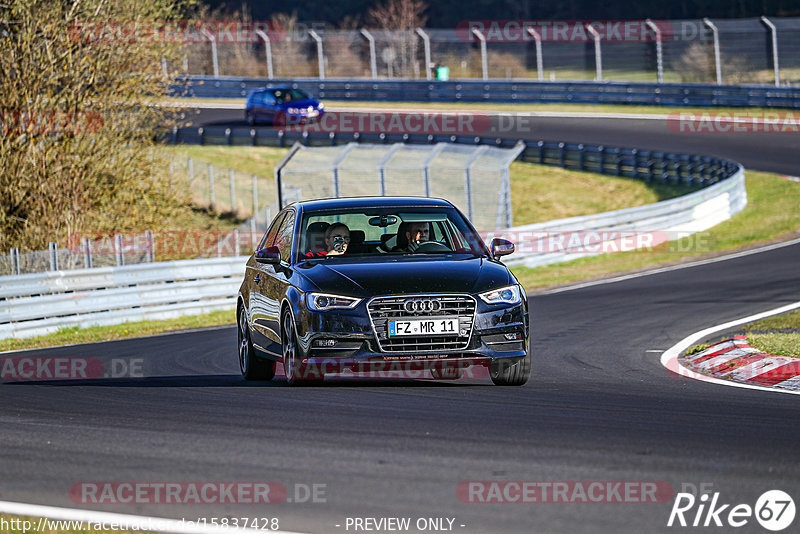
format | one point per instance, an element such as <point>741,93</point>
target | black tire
<point>297,374</point>
<point>510,372</point>
<point>251,366</point>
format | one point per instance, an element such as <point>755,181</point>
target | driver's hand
<point>413,246</point>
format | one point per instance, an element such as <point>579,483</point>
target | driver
<point>416,234</point>
<point>337,238</point>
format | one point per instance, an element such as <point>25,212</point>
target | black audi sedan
<point>355,284</point>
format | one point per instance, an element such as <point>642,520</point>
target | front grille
<point>381,309</point>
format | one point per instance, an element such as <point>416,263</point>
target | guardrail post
<point>426,43</point>
<point>151,245</point>
<point>598,54</point>
<point>174,135</point>
<point>267,51</point>
<point>537,37</point>
<point>227,136</point>
<point>659,54</point>
<point>715,34</point>
<point>774,31</point>
<point>601,151</point>
<point>373,65</point>
<point>540,146</point>
<point>253,136</point>
<point>320,56</point>
<point>484,62</point>
<point>635,155</point>
<point>581,158</point>
<point>87,253</point>
<point>53,248</point>
<point>118,249</point>
<point>618,155</point>
<point>211,196</point>
<point>201,132</point>
<point>15,260</point>
<point>562,155</point>
<point>232,184</point>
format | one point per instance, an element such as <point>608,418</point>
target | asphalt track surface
<point>599,407</point>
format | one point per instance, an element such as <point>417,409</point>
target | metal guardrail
<point>645,165</point>
<point>505,91</point>
<point>677,217</point>
<point>43,303</point>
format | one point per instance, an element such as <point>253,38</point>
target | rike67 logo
<point>774,510</point>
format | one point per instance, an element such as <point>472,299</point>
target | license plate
<point>429,326</point>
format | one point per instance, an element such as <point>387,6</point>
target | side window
<point>269,237</point>
<point>284,237</point>
<point>269,99</point>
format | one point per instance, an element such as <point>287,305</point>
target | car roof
<point>372,202</point>
<point>273,88</point>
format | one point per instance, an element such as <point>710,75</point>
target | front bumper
<point>345,339</point>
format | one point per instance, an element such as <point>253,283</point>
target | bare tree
<point>401,17</point>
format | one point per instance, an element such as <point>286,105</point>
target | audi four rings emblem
<point>422,305</point>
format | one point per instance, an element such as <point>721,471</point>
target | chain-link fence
<point>746,51</point>
<point>474,178</point>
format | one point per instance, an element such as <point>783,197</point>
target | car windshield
<point>289,95</point>
<point>328,235</point>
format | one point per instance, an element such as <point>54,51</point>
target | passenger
<point>337,237</point>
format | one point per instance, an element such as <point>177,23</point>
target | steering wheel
<point>433,246</point>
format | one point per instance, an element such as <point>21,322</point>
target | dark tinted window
<point>269,237</point>
<point>283,238</point>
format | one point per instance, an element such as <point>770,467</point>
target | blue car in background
<point>281,105</point>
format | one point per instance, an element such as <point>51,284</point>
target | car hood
<point>403,275</point>
<point>300,104</point>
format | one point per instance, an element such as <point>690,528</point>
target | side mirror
<point>270,255</point>
<point>501,247</point>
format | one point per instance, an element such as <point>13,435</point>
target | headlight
<point>325,301</point>
<point>293,110</point>
<point>504,295</point>
<point>320,105</point>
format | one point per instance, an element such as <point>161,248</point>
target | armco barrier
<point>682,216</point>
<point>43,303</point>
<point>638,93</point>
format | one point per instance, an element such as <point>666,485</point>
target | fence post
<point>236,251</point>
<point>477,153</point>
<point>538,38</point>
<point>659,55</point>
<point>602,163</point>
<point>53,247</point>
<point>320,56</point>
<point>211,187</point>
<point>426,42</point>
<point>15,260</point>
<point>484,63</point>
<point>373,66</point>
<point>87,253</point>
<point>232,183</point>
<point>190,165</point>
<point>151,245</point>
<point>598,54</point>
<point>120,256</point>
<point>774,31</point>
<point>214,58</point>
<point>715,34</point>
<point>267,51</point>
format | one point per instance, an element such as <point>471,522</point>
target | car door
<point>271,286</point>
<point>269,106</point>
<point>258,304</point>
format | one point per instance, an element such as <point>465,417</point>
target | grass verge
<point>772,214</point>
<point>68,336</point>
<point>777,344</point>
<point>538,192</point>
